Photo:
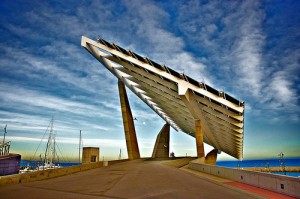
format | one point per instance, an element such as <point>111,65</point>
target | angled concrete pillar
<point>199,139</point>
<point>130,135</point>
<point>162,148</point>
<point>188,98</point>
<point>211,157</point>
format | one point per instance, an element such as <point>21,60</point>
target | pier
<point>273,169</point>
<point>139,178</point>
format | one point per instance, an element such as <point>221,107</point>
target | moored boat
<point>9,162</point>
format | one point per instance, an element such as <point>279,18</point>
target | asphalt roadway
<point>131,179</point>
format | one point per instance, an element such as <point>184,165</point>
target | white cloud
<point>68,140</point>
<point>158,42</point>
<point>44,69</point>
<point>32,98</point>
<point>232,34</point>
<point>280,85</point>
<point>248,48</point>
<point>35,125</point>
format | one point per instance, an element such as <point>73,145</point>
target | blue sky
<point>249,49</point>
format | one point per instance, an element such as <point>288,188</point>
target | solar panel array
<point>221,115</point>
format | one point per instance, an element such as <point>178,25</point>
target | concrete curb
<point>194,172</point>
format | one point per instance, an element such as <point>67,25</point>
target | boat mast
<point>4,147</point>
<point>47,152</point>
<point>4,134</point>
<point>79,146</point>
<point>53,152</point>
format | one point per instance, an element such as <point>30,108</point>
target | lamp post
<point>282,162</point>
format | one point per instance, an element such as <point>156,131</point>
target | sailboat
<point>50,155</point>
<point>9,162</point>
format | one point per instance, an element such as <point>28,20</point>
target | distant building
<point>90,154</point>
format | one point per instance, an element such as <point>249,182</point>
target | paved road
<point>132,179</point>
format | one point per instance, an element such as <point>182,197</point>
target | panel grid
<point>159,86</point>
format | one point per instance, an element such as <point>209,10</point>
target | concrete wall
<point>282,184</point>
<point>51,173</point>
<point>88,152</point>
<point>162,143</point>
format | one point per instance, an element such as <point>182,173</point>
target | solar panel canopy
<point>175,97</point>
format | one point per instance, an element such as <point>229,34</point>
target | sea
<point>288,162</point>
<point>31,163</point>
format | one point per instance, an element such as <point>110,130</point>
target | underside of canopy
<point>176,97</point>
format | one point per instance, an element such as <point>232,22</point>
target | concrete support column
<point>211,157</point>
<point>130,135</point>
<point>199,139</point>
<point>162,144</point>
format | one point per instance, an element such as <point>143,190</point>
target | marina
<point>50,158</point>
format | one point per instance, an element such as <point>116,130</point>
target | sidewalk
<point>237,185</point>
<point>131,179</point>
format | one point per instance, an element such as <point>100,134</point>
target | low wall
<point>51,173</point>
<point>282,184</point>
<point>116,161</point>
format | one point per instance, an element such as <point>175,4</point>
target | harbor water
<point>289,162</point>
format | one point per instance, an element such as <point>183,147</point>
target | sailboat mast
<point>51,144</point>
<point>79,146</point>
<point>4,134</point>
<point>47,152</point>
<point>54,143</point>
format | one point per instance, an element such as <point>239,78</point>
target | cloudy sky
<point>249,49</point>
